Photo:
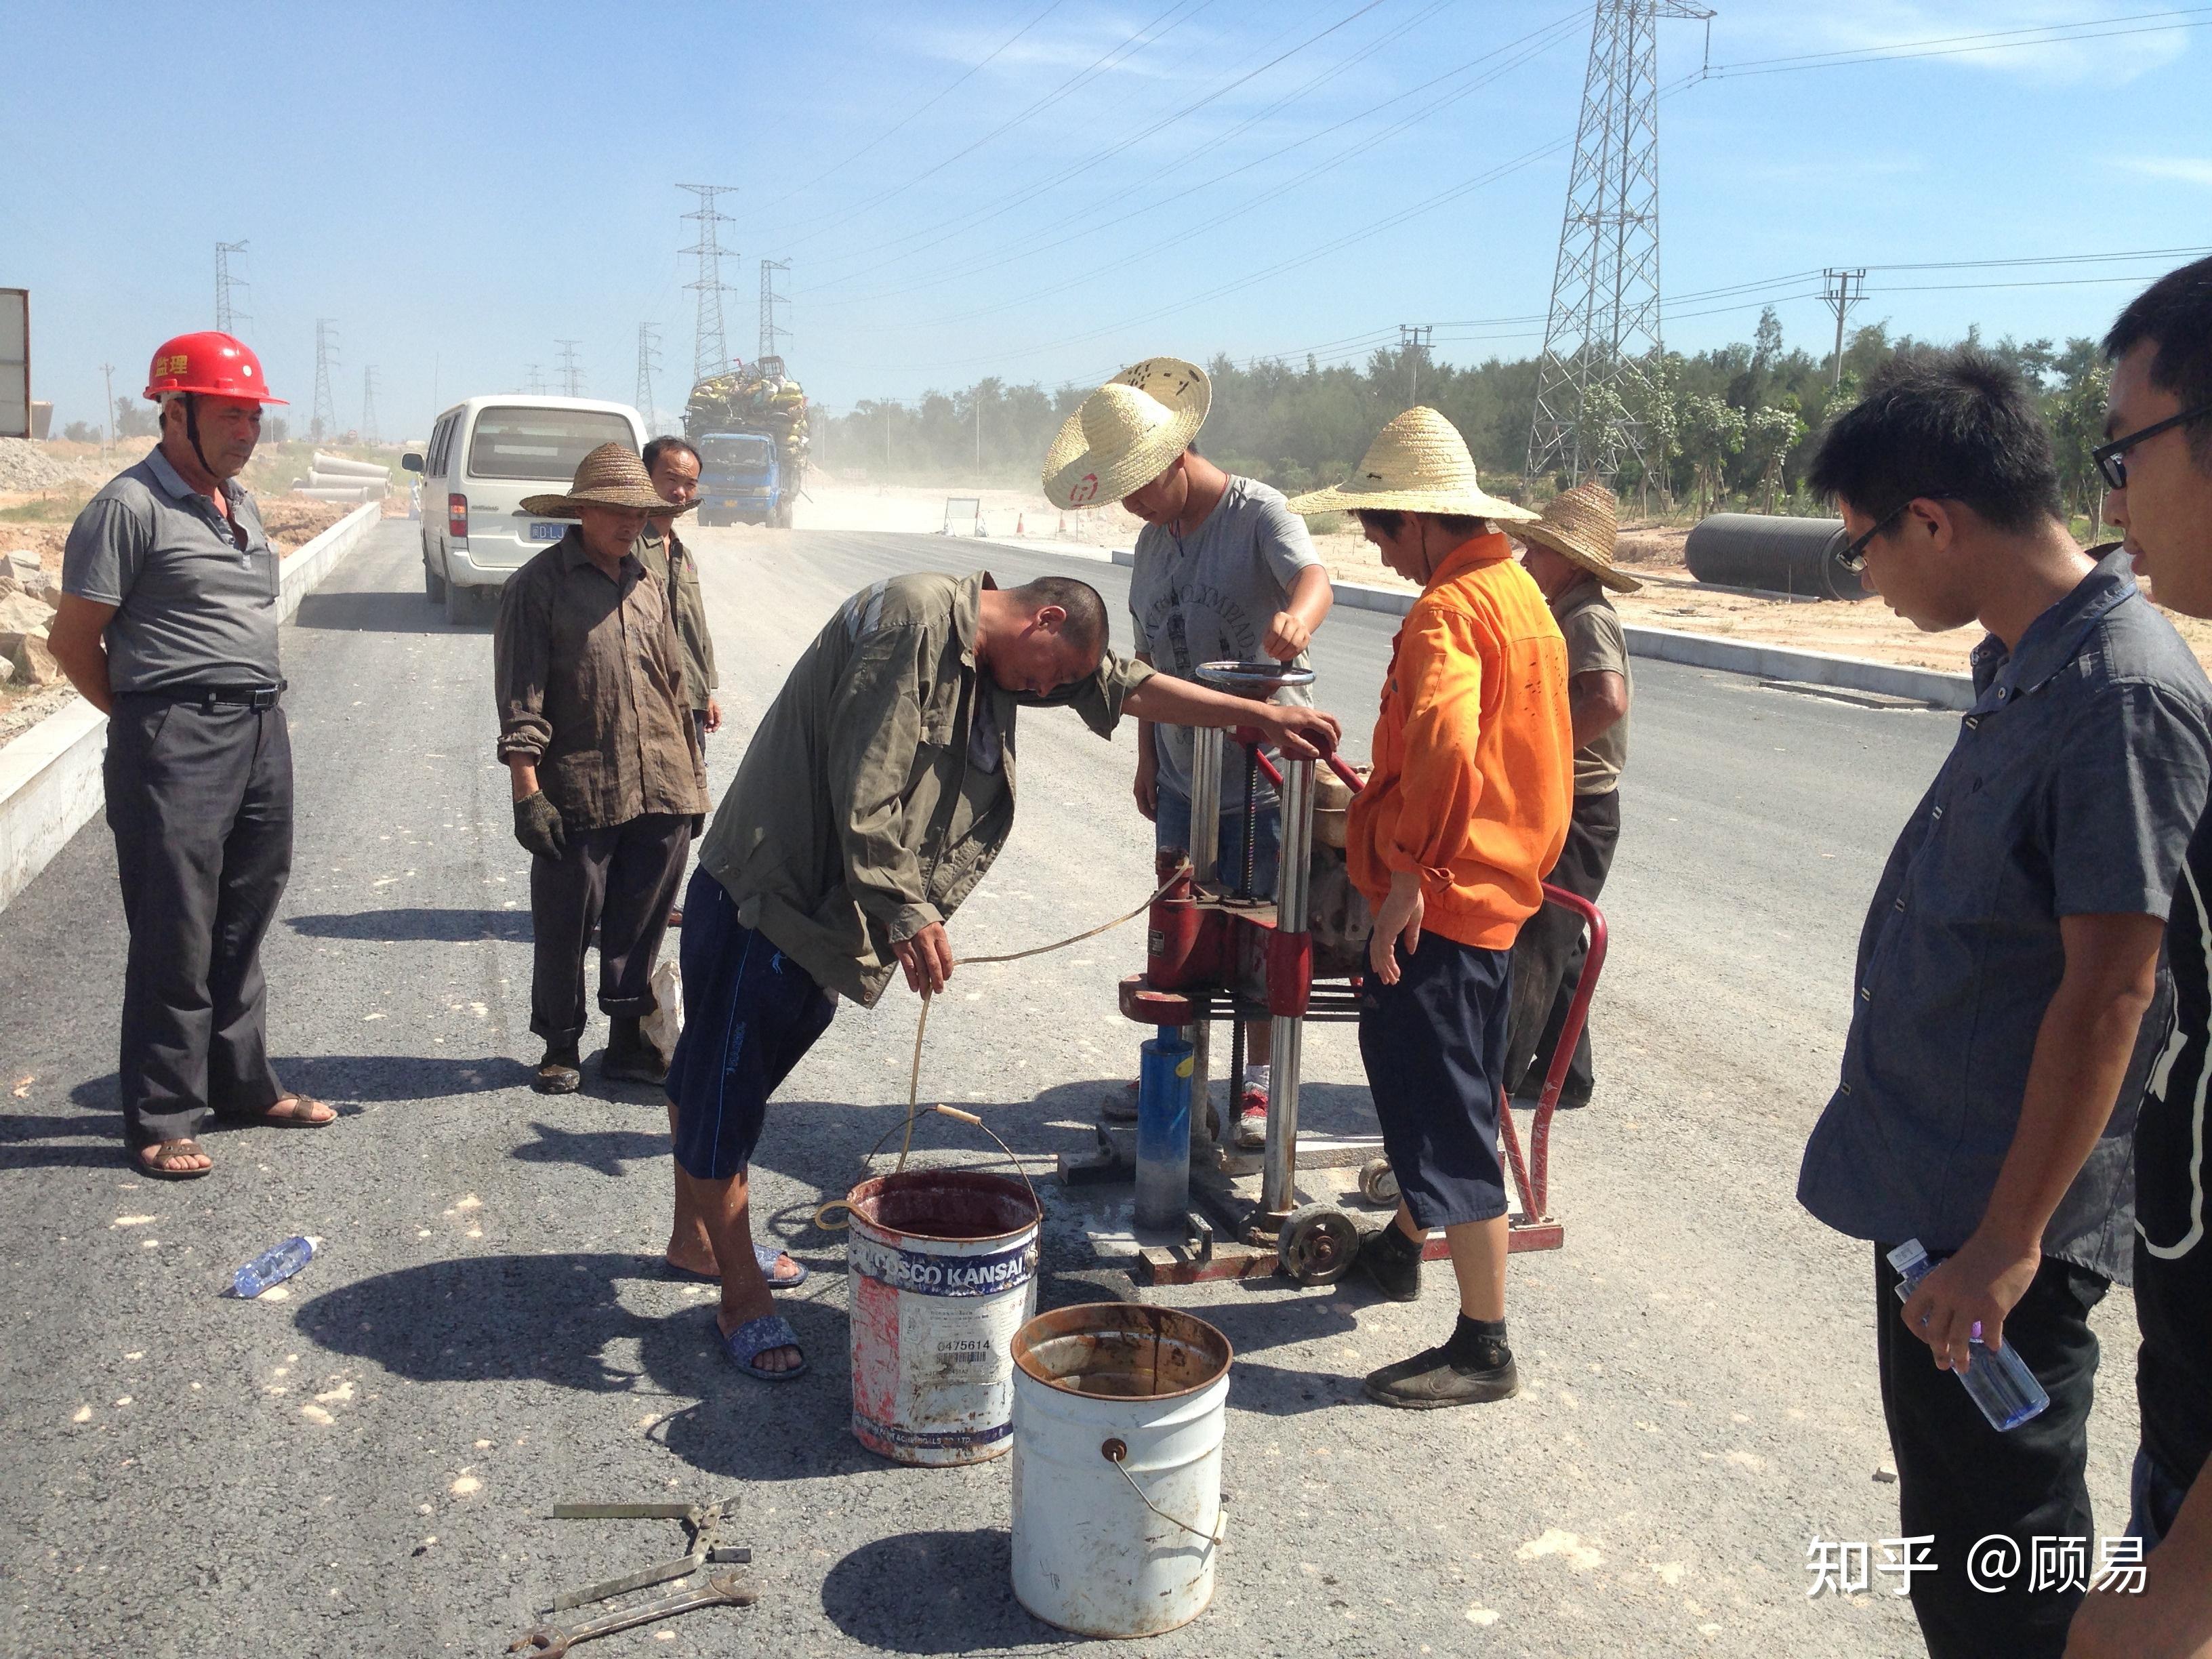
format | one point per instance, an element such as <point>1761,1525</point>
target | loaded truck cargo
<point>750,429</point>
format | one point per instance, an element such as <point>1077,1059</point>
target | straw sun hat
<point>1578,526</point>
<point>1417,464</point>
<point>611,476</point>
<point>1126,433</point>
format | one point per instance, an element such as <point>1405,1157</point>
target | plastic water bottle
<point>1999,1381</point>
<point>272,1266</point>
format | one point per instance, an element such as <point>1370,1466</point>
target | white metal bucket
<point>1118,1414</point>
<point>942,1267</point>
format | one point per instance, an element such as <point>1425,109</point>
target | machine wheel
<point>1317,1244</point>
<point>433,585</point>
<point>1376,1184</point>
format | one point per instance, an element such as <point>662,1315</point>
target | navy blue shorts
<point>1434,1047</point>
<point>750,1015</point>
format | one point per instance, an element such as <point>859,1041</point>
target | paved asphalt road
<point>367,1466</point>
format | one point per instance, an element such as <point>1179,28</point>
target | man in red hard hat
<point>168,624</point>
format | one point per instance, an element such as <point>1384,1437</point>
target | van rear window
<point>521,442</point>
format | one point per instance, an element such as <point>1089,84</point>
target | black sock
<point>1479,1342</point>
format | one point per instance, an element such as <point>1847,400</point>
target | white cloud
<point>2184,169</point>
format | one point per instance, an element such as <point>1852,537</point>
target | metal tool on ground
<point>703,1523</point>
<point>723,1589</point>
<point>1216,952</point>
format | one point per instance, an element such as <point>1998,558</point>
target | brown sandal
<point>270,1118</point>
<point>158,1169</point>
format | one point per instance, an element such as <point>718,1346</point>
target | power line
<point>324,422</point>
<point>571,376</point>
<point>770,333</point>
<point>226,311</point>
<point>710,350</point>
<point>648,359</point>
<point>1952,46</point>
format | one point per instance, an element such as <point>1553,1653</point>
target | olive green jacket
<point>669,560</point>
<point>880,785</point>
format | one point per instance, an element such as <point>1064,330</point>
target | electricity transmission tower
<point>1413,341</point>
<point>537,380</point>
<point>770,335</point>
<point>1842,289</point>
<point>1604,326</point>
<point>225,311</point>
<point>325,422</point>
<point>368,404</point>
<point>710,351</point>
<point>648,359</point>
<point>572,377</point>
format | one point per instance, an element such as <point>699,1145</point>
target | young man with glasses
<point>2158,463</point>
<point>2004,970</point>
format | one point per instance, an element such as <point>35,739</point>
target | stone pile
<point>28,598</point>
<point>23,465</point>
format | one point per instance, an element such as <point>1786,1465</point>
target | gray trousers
<point>620,880</point>
<point>1548,955</point>
<point>200,803</point>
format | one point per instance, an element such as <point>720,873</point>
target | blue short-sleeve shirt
<point>2076,781</point>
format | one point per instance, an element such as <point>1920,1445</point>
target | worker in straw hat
<point>1465,812</point>
<point>1568,554</point>
<point>595,727</point>
<point>1224,571</point>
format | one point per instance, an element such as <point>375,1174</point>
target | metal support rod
<point>1278,1169</point>
<point>1205,851</point>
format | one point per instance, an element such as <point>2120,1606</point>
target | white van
<point>484,456</point>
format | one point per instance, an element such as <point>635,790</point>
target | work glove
<point>537,826</point>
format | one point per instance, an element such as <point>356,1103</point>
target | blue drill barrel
<point>1164,1131</point>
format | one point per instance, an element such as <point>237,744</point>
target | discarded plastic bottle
<point>1998,1379</point>
<point>272,1266</point>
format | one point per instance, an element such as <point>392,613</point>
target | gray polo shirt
<point>2076,781</point>
<point>192,607</point>
<point>1209,597</point>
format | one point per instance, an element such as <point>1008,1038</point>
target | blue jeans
<point>2154,1499</point>
<point>1171,828</point>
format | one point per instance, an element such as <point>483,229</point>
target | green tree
<point>1712,432</point>
<point>1771,433</point>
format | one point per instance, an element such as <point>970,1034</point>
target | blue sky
<point>462,187</point>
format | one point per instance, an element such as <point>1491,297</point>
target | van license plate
<point>548,533</point>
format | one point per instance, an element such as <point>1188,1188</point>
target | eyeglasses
<point>2111,458</point>
<point>1853,557</point>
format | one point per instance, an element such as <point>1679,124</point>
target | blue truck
<point>741,480</point>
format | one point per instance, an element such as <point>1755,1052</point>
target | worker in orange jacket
<point>1466,810</point>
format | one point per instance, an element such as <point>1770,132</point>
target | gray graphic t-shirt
<point>1209,598</point>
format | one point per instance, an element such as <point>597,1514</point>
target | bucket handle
<point>827,1226</point>
<point>1115,1450</point>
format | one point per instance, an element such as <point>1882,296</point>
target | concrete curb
<point>50,781</point>
<point>1770,662</point>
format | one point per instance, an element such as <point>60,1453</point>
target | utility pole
<point>771,337</point>
<point>368,404</point>
<point>1604,322</point>
<point>1414,343</point>
<point>572,377</point>
<point>107,426</point>
<point>225,311</point>
<point>325,422</point>
<point>710,351</point>
<point>648,359</point>
<point>1838,287</point>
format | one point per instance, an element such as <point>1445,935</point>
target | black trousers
<point>1549,957</point>
<point>1960,1480</point>
<point>200,805</point>
<point>621,881</point>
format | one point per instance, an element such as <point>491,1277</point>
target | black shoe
<point>1431,1380</point>
<point>638,1062</point>
<point>559,1072</point>
<point>1393,1261</point>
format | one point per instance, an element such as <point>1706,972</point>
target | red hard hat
<point>208,361</point>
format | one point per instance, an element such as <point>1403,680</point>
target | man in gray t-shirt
<point>168,623</point>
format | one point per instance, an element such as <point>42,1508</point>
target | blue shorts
<point>1171,828</point>
<point>750,1015</point>
<point>1434,1048</point>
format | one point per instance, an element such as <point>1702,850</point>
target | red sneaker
<point>1252,1117</point>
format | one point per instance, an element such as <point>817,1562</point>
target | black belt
<point>212,697</point>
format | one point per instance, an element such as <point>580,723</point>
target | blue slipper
<point>765,1254</point>
<point>756,1337</point>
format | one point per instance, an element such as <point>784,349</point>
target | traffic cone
<point>1018,522</point>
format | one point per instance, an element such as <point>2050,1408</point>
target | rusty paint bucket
<point>1118,1418</point>
<point>942,1267</point>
